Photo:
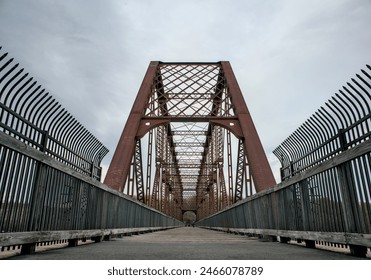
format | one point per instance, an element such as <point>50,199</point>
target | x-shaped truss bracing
<point>185,114</point>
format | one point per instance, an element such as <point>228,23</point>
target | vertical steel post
<point>139,172</point>
<point>149,167</point>
<point>230,169</point>
<point>240,172</point>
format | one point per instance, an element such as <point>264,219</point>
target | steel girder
<point>190,109</point>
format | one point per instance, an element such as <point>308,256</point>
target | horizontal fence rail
<point>33,116</point>
<point>325,194</point>
<point>50,172</point>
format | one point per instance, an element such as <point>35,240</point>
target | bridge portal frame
<point>137,125</point>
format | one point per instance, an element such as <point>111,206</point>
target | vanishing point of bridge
<point>189,154</point>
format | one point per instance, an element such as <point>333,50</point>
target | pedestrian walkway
<point>187,243</point>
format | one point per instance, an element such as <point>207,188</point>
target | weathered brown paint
<point>260,168</point>
<point>120,164</point>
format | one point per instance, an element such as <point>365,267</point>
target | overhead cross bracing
<point>189,143</point>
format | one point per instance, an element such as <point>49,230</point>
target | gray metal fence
<point>50,171</point>
<point>33,116</point>
<point>342,123</point>
<point>325,194</point>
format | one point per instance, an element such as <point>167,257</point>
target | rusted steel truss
<point>186,114</point>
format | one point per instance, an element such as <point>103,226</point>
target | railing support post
<point>92,169</point>
<point>305,204</point>
<point>73,242</point>
<point>44,140</point>
<point>346,180</point>
<point>284,239</point>
<point>310,244</point>
<point>97,239</point>
<point>358,251</point>
<point>346,183</point>
<point>28,249</point>
<point>37,198</point>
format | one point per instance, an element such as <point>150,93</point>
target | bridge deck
<point>187,243</point>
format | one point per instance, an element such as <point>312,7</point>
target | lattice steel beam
<point>139,172</point>
<point>240,172</point>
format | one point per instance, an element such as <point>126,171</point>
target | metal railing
<point>326,191</point>
<point>49,173</point>
<point>342,123</point>
<point>30,114</point>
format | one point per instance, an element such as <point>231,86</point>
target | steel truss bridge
<point>196,123</point>
<point>189,146</point>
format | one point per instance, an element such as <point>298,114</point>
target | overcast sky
<point>289,56</point>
